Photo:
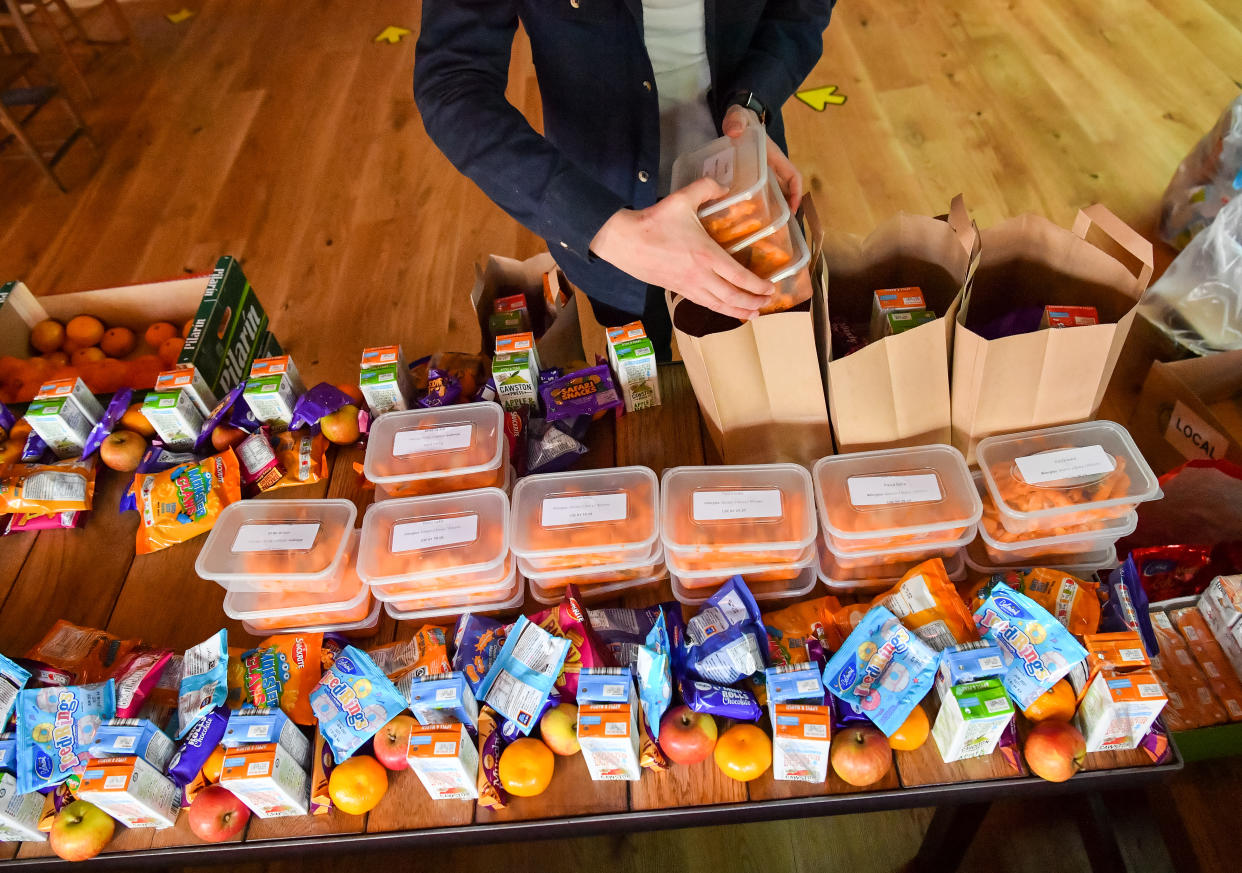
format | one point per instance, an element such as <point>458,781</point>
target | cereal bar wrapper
<point>193,751</point>
<point>321,772</point>
<point>13,678</point>
<point>352,701</point>
<point>1126,605</point>
<point>520,680</point>
<point>726,641</point>
<point>136,677</point>
<point>492,794</point>
<point>1037,648</point>
<point>477,642</point>
<point>723,701</point>
<point>883,668</point>
<point>55,729</point>
<point>204,681</point>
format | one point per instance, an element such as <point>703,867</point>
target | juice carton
<point>888,300</point>
<point>801,723</point>
<point>900,322</point>
<point>1118,652</point>
<point>267,779</point>
<point>273,388</point>
<point>509,315</point>
<point>518,344</point>
<point>190,381</point>
<point>633,361</point>
<point>132,791</point>
<point>970,662</point>
<point>444,759</point>
<point>608,723</point>
<point>444,698</point>
<point>121,737</point>
<point>384,379</point>
<point>175,418</point>
<point>19,813</point>
<point>515,370</point>
<point>1118,709</point>
<point>254,725</point>
<point>972,718</point>
<point>1069,316</point>
<point>62,414</point>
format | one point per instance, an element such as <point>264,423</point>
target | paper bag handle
<point>961,223</point>
<point>1130,240</point>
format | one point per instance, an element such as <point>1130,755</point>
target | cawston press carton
<point>633,360</point>
<point>272,389</point>
<point>190,381</point>
<point>230,329</point>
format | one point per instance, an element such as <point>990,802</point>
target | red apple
<point>861,755</point>
<point>686,736</point>
<point>392,743</point>
<point>559,729</point>
<point>216,815</point>
<point>80,831</point>
<point>1055,750</point>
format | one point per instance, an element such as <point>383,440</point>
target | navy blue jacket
<point>600,151</point>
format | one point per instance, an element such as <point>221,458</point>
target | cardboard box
<point>890,300</point>
<point>254,725</point>
<point>191,381</point>
<point>1069,316</point>
<point>174,417</point>
<point>633,362</point>
<point>972,718</point>
<point>272,389</point>
<point>445,698</point>
<point>1118,709</point>
<point>444,759</point>
<point>608,723</point>
<point>19,813</point>
<point>267,779</point>
<point>384,379</point>
<point>132,791</point>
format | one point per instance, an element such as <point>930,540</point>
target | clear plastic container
<point>365,627</point>
<point>771,249</point>
<point>843,583</point>
<point>429,608</point>
<point>596,593</point>
<point>848,568</point>
<point>433,451</point>
<point>436,544</point>
<point>1060,477</point>
<point>741,165</point>
<point>278,545</point>
<point>979,560</point>
<point>475,587</point>
<point>879,501</point>
<point>381,493</point>
<point>553,580</point>
<point>589,518</point>
<point>763,592</point>
<point>793,283</point>
<point>751,573</point>
<point>729,516</point>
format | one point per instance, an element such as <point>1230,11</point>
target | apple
<point>861,755</point>
<point>341,427</point>
<point>1055,750</point>
<point>216,815</point>
<point>687,737</point>
<point>559,729</point>
<point>392,743</point>
<point>80,831</point>
<point>122,450</point>
<point>225,436</point>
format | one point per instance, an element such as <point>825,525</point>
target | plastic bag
<point>1205,180</point>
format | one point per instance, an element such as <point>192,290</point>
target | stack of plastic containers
<point>434,451</point>
<point>596,529</point>
<point>754,521</point>
<point>1061,496</point>
<point>882,513</point>
<point>289,565</point>
<point>440,555</point>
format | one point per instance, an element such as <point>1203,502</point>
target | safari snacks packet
<point>55,729</point>
<point>281,671</point>
<point>1037,648</point>
<point>589,391</point>
<point>524,673</point>
<point>726,641</point>
<point>928,604</point>
<point>88,654</point>
<point>48,489</point>
<point>204,681</point>
<point>136,676</point>
<point>183,502</point>
<point>882,668</point>
<point>476,643</point>
<point>352,701</point>
<point>13,678</point>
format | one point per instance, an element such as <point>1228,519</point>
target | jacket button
<point>647,85</point>
<point>642,176</point>
<point>564,244</point>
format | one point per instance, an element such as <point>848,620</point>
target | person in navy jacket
<point>626,85</point>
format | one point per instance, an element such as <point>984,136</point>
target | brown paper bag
<point>895,392</point>
<point>560,344</point>
<point>1191,410</point>
<point>1051,376</point>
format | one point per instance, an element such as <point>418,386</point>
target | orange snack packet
<point>179,504</point>
<point>1220,676</point>
<point>848,618</point>
<point>89,654</point>
<point>928,604</point>
<point>46,489</point>
<point>303,455</point>
<point>281,672</point>
<point>790,629</point>
<point>1073,601</point>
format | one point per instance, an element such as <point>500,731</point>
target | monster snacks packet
<point>89,655</point>
<point>569,620</point>
<point>281,671</point>
<point>928,604</point>
<point>303,455</point>
<point>184,502</point>
<point>48,489</point>
<point>492,794</point>
<point>352,701</point>
<point>55,729</point>
<point>792,630</point>
<point>156,459</point>
<point>726,641</point>
<point>476,643</point>
<point>204,681</point>
<point>13,678</point>
<point>137,675</point>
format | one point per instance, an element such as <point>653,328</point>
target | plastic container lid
<point>436,539</point>
<point>560,515</point>
<point>763,592</point>
<point>740,164</point>
<point>346,596</point>
<point>1098,540</point>
<point>266,545</point>
<point>746,508</point>
<point>1059,476</point>
<point>838,581</point>
<point>593,593</point>
<point>511,598</point>
<point>429,443</point>
<point>979,561</point>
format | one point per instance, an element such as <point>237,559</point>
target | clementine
<point>214,765</point>
<point>11,451</point>
<point>352,391</point>
<point>84,330</point>
<point>134,420</point>
<point>57,359</point>
<point>912,733</point>
<point>86,356</point>
<point>170,349</point>
<point>187,328</point>
<point>357,784</point>
<point>158,332</point>
<point>20,430</point>
<point>526,767</point>
<point>118,342</point>
<point>47,335</point>
<point>743,752</point>
<point>1056,704</point>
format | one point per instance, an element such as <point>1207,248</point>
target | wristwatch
<point>748,100</point>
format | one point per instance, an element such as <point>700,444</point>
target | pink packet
<point>136,676</point>
<point>20,523</point>
<point>569,619</point>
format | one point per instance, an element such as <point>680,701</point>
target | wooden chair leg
<point>71,17</point>
<point>76,115</point>
<point>58,36</point>
<point>27,144</point>
<point>121,21</point>
<point>19,24</point>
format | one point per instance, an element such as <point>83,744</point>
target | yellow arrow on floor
<point>818,98</point>
<point>392,34</point>
<point>178,17</point>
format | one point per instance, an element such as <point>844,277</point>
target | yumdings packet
<point>352,701</point>
<point>882,669</point>
<point>726,641</point>
<point>524,673</point>
<point>1037,649</point>
<point>55,729</point>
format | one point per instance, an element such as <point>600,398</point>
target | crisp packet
<point>156,459</point>
<point>791,630</point>
<point>258,467</point>
<point>1125,607</point>
<point>524,673</point>
<point>720,700</point>
<point>59,521</point>
<point>194,750</point>
<point>281,671</point>
<point>443,389</point>
<point>323,399</point>
<point>303,455</point>
<point>884,667</point>
<point>622,631</point>
<point>13,678</point>
<point>184,502</point>
<point>492,794</point>
<point>726,641</point>
<point>655,678</point>
<point>136,676</point>
<point>549,449</point>
<point>352,701</point>
<point>476,643</point>
<point>89,654</point>
<point>1167,572</point>
<point>55,729</point>
<point>48,489</point>
<point>1037,648</point>
<point>204,681</point>
<point>425,654</point>
<point>569,619</point>
<point>928,604</point>
<point>218,416</point>
<point>1072,601</point>
<point>584,392</point>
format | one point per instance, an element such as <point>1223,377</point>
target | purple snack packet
<point>192,753</point>
<point>490,748</point>
<point>36,451</point>
<point>550,374</point>
<point>1007,745</point>
<point>583,392</point>
<point>720,700</point>
<point>1156,743</point>
<point>443,389</point>
<point>1126,606</point>
<point>549,449</point>
<point>241,416</point>
<point>324,399</point>
<point>486,392</point>
<point>845,714</point>
<point>7,418</point>
<point>112,415</point>
<point>223,408</point>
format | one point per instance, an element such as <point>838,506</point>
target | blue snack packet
<point>655,678</point>
<point>522,677</point>
<point>352,701</point>
<point>621,631</point>
<point>1037,648</point>
<point>8,753</point>
<point>510,730</point>
<point>1126,606</point>
<point>35,451</point>
<point>55,729</point>
<point>726,641</point>
<point>720,700</point>
<point>193,751</point>
<point>476,643</point>
<point>204,681</point>
<point>13,678</point>
<point>883,669</point>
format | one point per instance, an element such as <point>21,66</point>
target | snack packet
<point>1038,650</point>
<point>523,675</point>
<point>236,672</point>
<point>621,631</point>
<point>321,773</point>
<point>323,399</point>
<point>204,681</point>
<point>549,449</point>
<point>726,641</point>
<point>258,467</point>
<point>654,674</point>
<point>468,370</point>
<point>108,421</point>
<point>1167,572</point>
<point>183,502</point>
<point>569,619</point>
<point>55,728</point>
<point>281,671</point>
<point>650,755</point>
<point>88,654</point>
<point>882,668</point>
<point>928,604</point>
<point>425,654</point>
<point>185,768</point>
<point>59,521</point>
<point>492,794</point>
<point>1072,601</point>
<point>36,451</point>
<point>303,456</point>
<point>45,675</point>
<point>136,676</point>
<point>156,459</point>
<point>1125,605</point>
<point>48,489</point>
<point>476,643</point>
<point>352,701</point>
<point>219,415</point>
<point>792,630</point>
<point>589,391</point>
<point>443,389</point>
<point>13,678</point>
<point>723,701</point>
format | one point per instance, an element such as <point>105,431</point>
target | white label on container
<point>276,537</point>
<point>1072,463</point>
<point>583,509</point>
<point>435,532</point>
<point>886,490</point>
<point>422,440</point>
<point>720,167</point>
<point>725,505</point>
<point>1192,436</point>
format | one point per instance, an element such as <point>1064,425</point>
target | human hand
<point>666,245</point>
<point>736,120</point>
